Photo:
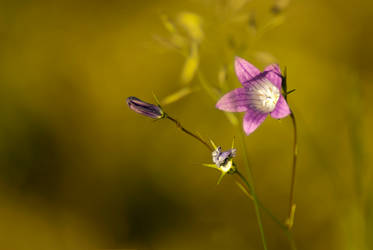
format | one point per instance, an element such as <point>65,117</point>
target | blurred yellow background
<point>79,170</point>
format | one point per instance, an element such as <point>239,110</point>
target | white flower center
<point>264,96</point>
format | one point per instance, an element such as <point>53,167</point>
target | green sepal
<point>284,82</point>
<point>213,144</point>
<point>221,178</point>
<point>211,166</point>
<point>156,100</point>
<point>164,115</point>
<point>291,91</point>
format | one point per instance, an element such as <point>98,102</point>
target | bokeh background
<point>79,170</point>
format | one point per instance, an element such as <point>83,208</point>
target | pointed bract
<point>221,177</point>
<point>213,144</point>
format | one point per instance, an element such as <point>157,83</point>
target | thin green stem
<point>178,124</point>
<point>256,204</point>
<point>266,210</point>
<point>288,233</point>
<point>290,219</point>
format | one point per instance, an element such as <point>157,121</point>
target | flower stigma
<point>264,96</point>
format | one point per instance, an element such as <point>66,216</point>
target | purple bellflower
<point>144,108</point>
<point>259,96</point>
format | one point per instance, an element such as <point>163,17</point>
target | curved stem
<point>291,240</point>
<point>290,219</point>
<point>178,124</point>
<point>239,179</point>
<point>266,210</point>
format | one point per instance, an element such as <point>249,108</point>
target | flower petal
<point>235,101</point>
<point>274,75</point>
<point>245,71</point>
<point>252,120</point>
<point>257,79</point>
<point>281,110</point>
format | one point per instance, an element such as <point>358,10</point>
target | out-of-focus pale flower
<point>279,6</point>
<point>192,24</point>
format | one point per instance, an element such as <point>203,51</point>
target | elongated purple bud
<point>144,108</point>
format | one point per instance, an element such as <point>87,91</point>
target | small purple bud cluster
<point>221,158</point>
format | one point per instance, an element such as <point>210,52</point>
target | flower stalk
<point>245,187</point>
<point>290,219</point>
<point>156,112</point>
<point>253,194</point>
<point>292,206</point>
<point>241,179</point>
<point>179,126</point>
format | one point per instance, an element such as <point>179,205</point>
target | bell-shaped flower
<point>259,96</point>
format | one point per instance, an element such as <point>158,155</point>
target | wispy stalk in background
<point>361,222</point>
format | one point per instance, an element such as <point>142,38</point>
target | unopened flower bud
<point>144,108</point>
